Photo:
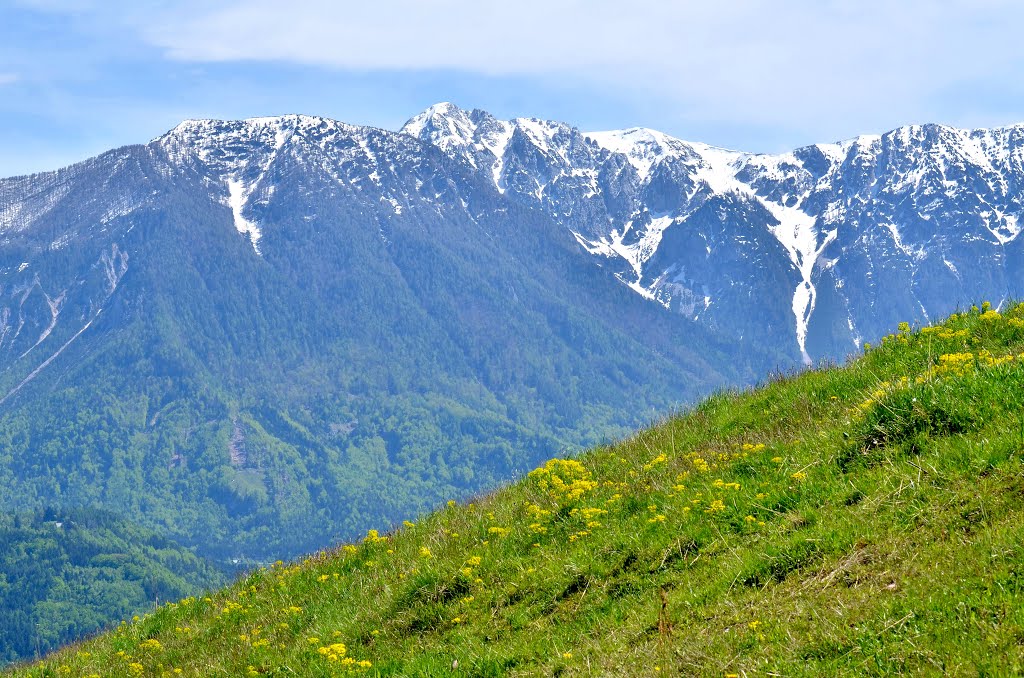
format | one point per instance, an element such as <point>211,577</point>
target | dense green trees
<point>64,574</point>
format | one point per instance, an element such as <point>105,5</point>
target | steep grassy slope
<point>860,520</point>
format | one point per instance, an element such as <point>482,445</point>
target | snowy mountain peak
<point>237,155</point>
<point>431,115</point>
<point>209,137</point>
<point>476,136</point>
<point>208,129</point>
<point>645,148</point>
<point>456,130</point>
<point>444,124</point>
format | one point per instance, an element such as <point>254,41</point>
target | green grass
<point>856,520</point>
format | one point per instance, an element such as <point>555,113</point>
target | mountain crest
<point>678,222</point>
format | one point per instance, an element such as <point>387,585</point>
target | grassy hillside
<point>860,520</point>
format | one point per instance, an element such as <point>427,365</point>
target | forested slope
<point>66,574</point>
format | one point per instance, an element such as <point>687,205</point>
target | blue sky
<point>78,77</point>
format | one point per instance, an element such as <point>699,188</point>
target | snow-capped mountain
<point>287,329</point>
<point>821,248</point>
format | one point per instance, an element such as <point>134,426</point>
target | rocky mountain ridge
<point>855,234</point>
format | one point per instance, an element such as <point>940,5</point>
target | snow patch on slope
<point>1003,227</point>
<point>796,231</point>
<point>238,194</point>
<point>894,231</point>
<point>643,148</point>
<point>497,142</point>
<point>716,169</point>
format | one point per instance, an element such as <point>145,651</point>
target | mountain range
<point>813,251</point>
<point>258,337</point>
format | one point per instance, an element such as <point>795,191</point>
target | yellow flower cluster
<point>660,459</point>
<point>986,359</point>
<point>959,364</point>
<point>563,479</point>
<point>231,606</point>
<point>151,645</point>
<point>536,511</point>
<point>942,332</point>
<point>700,464</point>
<point>337,652</point>
<point>334,652</point>
<point>588,513</point>
<point>253,637</point>
<point>955,364</point>
<point>471,562</point>
<point>716,506</point>
<point>890,338</point>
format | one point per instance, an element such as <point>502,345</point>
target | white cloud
<point>743,61</point>
<point>820,68</point>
